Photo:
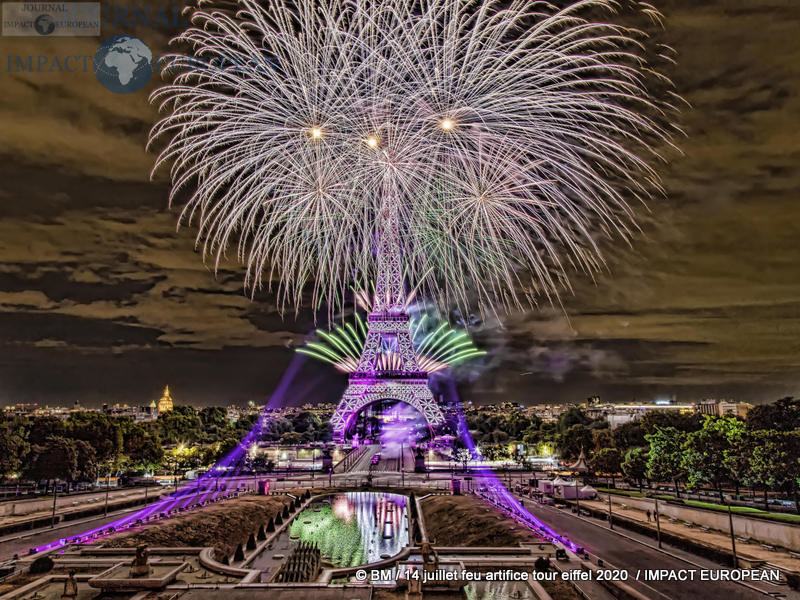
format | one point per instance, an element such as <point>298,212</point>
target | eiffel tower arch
<point>386,375</point>
<point>388,368</point>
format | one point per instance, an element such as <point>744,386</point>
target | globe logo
<point>123,64</point>
<point>44,24</point>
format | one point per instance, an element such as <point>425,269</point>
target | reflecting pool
<point>354,528</point>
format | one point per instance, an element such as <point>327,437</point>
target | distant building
<point>137,413</point>
<point>707,407</point>
<point>735,409</point>
<point>617,414</point>
<point>720,408</point>
<point>165,404</point>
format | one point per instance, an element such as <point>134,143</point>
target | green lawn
<point>741,510</point>
<point>628,493</point>
<point>746,510</point>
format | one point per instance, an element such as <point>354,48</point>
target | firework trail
<point>438,346</point>
<point>497,141</point>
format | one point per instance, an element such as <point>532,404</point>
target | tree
<point>218,450</point>
<point>13,449</point>
<point>215,423</point>
<point>214,417</point>
<point>662,419</point>
<point>783,415</point>
<point>629,435</point>
<point>517,423</point>
<point>494,452</point>
<point>291,438</point>
<point>463,455</point>
<point>87,465</point>
<point>571,417</point>
<point>57,458</point>
<point>705,451</point>
<point>498,436</point>
<point>180,425</point>
<point>534,436</point>
<point>775,461</point>
<point>664,457</point>
<point>40,429</point>
<point>325,432</point>
<point>244,425</point>
<point>603,438</point>
<point>606,461</point>
<point>736,457</point>
<point>304,420</point>
<point>261,464</point>
<point>98,430</point>
<point>276,428</point>
<point>635,465</point>
<point>142,448</point>
<point>571,442</point>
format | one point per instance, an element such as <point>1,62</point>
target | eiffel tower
<point>388,368</point>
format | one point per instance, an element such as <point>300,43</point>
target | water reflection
<point>354,528</point>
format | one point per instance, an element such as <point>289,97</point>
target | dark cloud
<point>48,329</point>
<point>102,299</point>
<point>57,286</point>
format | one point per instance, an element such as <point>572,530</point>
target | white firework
<point>496,141</point>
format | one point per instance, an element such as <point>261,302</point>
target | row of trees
<point>690,450</point>
<point>88,445</point>
<point>724,451</point>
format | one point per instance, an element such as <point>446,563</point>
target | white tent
<point>580,466</point>
<point>571,490</point>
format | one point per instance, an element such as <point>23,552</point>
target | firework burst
<point>438,346</point>
<point>497,140</point>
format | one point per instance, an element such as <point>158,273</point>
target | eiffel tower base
<point>362,392</point>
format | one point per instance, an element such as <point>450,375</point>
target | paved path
<point>20,543</point>
<point>77,503</point>
<point>753,550</point>
<point>622,550</point>
<point>363,463</point>
<point>393,461</point>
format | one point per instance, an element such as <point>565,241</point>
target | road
<point>390,462</point>
<point>26,509</point>
<point>618,551</point>
<point>393,461</point>
<point>362,464</point>
<point>20,543</point>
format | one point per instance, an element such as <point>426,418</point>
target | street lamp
<point>108,484</point>
<point>658,522</point>
<point>55,491</point>
<point>733,537</point>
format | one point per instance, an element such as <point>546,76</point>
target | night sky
<point>101,300</point>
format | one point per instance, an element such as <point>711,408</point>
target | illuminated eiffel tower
<point>388,368</point>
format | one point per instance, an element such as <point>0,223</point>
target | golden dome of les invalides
<point>165,404</point>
